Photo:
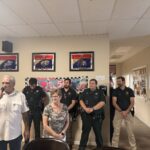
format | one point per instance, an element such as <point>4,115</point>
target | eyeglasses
<point>5,82</point>
<point>54,96</point>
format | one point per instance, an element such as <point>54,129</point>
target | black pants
<point>87,123</point>
<point>14,144</point>
<point>36,118</point>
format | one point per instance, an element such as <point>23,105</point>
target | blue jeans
<point>13,144</point>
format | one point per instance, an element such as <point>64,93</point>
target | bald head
<point>8,83</point>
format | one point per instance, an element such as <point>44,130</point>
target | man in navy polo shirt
<point>123,101</point>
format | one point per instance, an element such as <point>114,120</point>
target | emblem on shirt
<point>127,93</point>
<point>96,94</point>
<point>37,91</point>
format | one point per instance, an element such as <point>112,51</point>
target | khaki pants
<point>117,125</point>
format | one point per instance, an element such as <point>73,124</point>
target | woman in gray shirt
<point>55,117</point>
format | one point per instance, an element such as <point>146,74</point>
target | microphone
<point>2,89</point>
<point>1,92</point>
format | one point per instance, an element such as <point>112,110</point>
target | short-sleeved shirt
<point>91,98</point>
<point>57,121</point>
<point>123,97</point>
<point>11,108</point>
<point>68,96</point>
<point>34,98</point>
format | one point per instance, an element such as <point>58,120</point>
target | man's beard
<point>119,85</point>
<point>66,86</point>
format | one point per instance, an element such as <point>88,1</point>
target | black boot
<point>98,148</point>
<point>81,148</point>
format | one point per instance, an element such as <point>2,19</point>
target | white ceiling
<point>120,19</point>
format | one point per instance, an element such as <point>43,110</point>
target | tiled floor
<point>142,134</point>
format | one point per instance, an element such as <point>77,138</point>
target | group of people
<point>32,105</point>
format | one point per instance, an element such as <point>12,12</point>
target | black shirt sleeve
<point>114,93</point>
<point>131,93</point>
<point>24,91</point>
<point>42,92</point>
<point>74,95</point>
<point>82,96</point>
<point>102,96</point>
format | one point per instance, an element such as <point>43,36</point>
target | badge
<point>96,94</point>
<point>127,93</point>
<point>37,91</point>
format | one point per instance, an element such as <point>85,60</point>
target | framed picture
<point>82,61</point>
<point>43,61</point>
<point>140,81</point>
<point>9,62</point>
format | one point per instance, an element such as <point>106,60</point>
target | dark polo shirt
<point>91,98</point>
<point>68,96</point>
<point>123,97</point>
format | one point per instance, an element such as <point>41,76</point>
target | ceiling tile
<point>70,28</point>
<point>130,9</point>
<point>5,32</point>
<point>120,28</point>
<point>62,10</point>
<point>100,27</point>
<point>147,14</point>
<point>8,17</point>
<point>142,28</point>
<point>95,10</point>
<point>30,10</point>
<point>46,29</point>
<point>23,30</point>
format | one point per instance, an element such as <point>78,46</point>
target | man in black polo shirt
<point>123,101</point>
<point>92,101</point>
<point>35,99</point>
<point>69,97</point>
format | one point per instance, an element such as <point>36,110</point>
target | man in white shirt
<point>13,109</point>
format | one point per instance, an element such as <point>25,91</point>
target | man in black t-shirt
<point>123,101</point>
<point>92,101</point>
<point>69,98</point>
<point>35,99</point>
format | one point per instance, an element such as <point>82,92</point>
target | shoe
<point>98,148</point>
<point>81,148</point>
<point>70,146</point>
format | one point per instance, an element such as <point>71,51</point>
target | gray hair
<point>12,78</point>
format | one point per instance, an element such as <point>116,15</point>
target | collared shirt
<point>34,98</point>
<point>91,98</point>
<point>11,108</point>
<point>123,97</point>
<point>68,96</point>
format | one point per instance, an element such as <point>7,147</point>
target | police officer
<point>123,101</point>
<point>69,97</point>
<point>92,101</point>
<point>35,97</point>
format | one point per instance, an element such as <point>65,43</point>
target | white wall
<point>62,46</point>
<point>142,107</point>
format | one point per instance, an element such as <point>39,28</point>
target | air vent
<point>116,56</point>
